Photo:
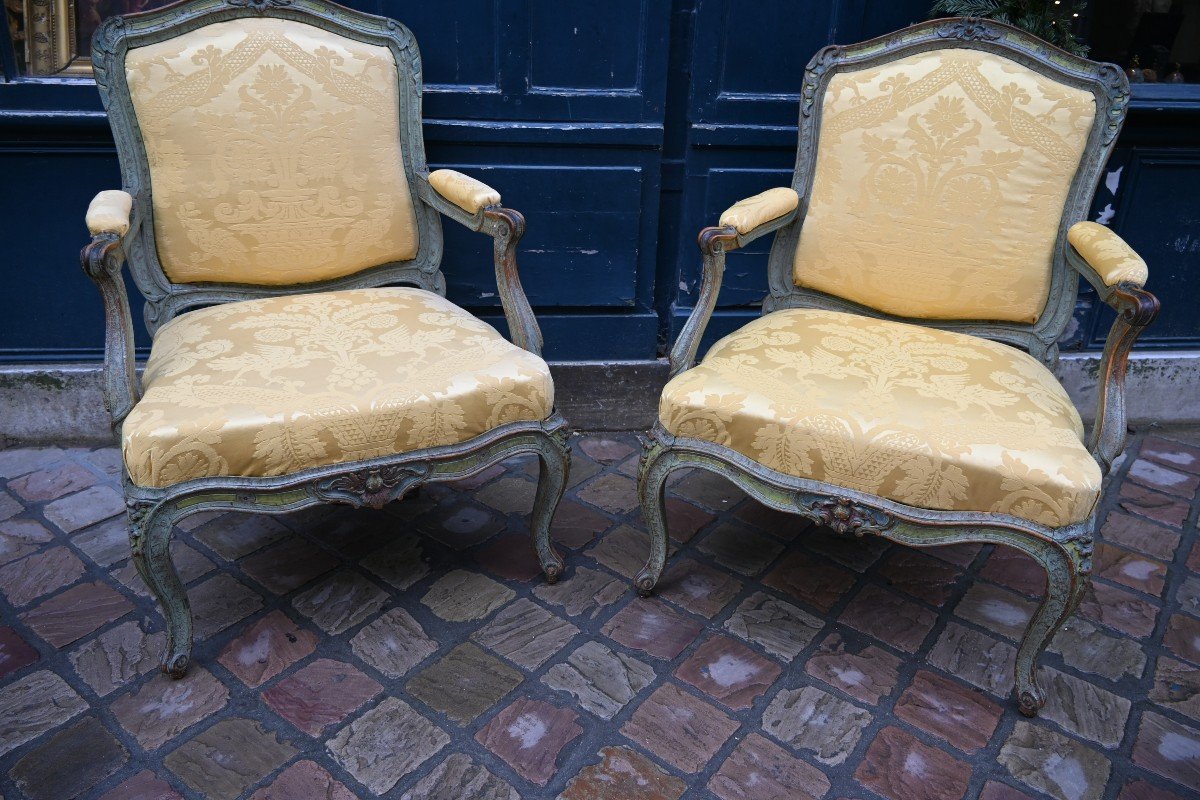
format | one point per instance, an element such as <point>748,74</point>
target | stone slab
<point>386,743</point>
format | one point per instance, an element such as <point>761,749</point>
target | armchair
<point>275,190</point>
<point>899,383</point>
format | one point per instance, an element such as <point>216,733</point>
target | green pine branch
<point>968,8</point>
<point>1045,19</point>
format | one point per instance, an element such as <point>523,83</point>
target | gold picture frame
<point>58,33</point>
<point>50,39</point>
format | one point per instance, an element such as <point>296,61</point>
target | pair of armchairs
<point>897,384</point>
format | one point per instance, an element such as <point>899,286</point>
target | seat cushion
<point>275,386</point>
<point>928,418</point>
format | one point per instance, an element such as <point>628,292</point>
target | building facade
<point>619,129</point>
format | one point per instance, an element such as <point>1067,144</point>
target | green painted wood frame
<point>1066,552</point>
<point>153,512</point>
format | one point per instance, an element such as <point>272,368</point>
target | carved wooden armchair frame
<point>124,231</point>
<point>1064,552</point>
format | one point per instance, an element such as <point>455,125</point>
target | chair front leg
<point>150,526</point>
<point>554,455</point>
<point>1068,574</point>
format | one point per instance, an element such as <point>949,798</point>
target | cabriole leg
<point>150,540</point>
<point>1068,569</point>
<point>652,479</point>
<point>555,458</point>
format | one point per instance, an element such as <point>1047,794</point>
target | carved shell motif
<point>136,511</point>
<point>259,5</point>
<point>1082,544</point>
<point>969,29</point>
<point>820,64</point>
<point>374,487</point>
<point>845,516</point>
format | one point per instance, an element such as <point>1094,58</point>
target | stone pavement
<point>416,652</point>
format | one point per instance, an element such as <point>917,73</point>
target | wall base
<point>62,402</point>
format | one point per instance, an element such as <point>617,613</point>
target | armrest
<point>1117,273</point>
<point>749,215</point>
<point>470,195</point>
<point>109,212</point>
<point>742,223</point>
<point>455,198</point>
<point>1110,260</point>
<point>110,217</point>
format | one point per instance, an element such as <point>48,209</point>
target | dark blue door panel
<point>459,42</point>
<point>750,57</point>
<point>560,31</point>
<point>539,59</point>
<point>584,227</point>
<point>1158,213</point>
<point>48,307</point>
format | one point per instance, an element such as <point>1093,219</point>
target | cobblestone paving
<point>416,652</point>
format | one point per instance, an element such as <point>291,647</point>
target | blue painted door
<point>620,129</point>
<point>560,106</point>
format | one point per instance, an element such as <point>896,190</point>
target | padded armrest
<point>746,215</point>
<point>1108,254</point>
<point>470,195</point>
<point>109,212</point>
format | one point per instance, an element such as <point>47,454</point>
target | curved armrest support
<point>714,242</point>
<point>1136,309</point>
<point>110,219</point>
<point>506,226</point>
<point>742,223</point>
<point>1117,273</point>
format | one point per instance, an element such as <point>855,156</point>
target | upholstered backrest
<point>275,153</point>
<point>939,185</point>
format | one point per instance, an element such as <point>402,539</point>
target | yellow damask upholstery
<point>928,418</point>
<point>275,153</point>
<point>109,212</point>
<point>939,185</point>
<point>274,386</point>
<point>470,195</point>
<point>1112,258</point>
<point>746,215</point>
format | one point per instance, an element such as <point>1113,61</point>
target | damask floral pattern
<point>929,418</point>
<point>275,153</point>
<point>939,185</point>
<point>274,386</point>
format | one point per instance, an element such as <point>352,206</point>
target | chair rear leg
<point>653,471</point>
